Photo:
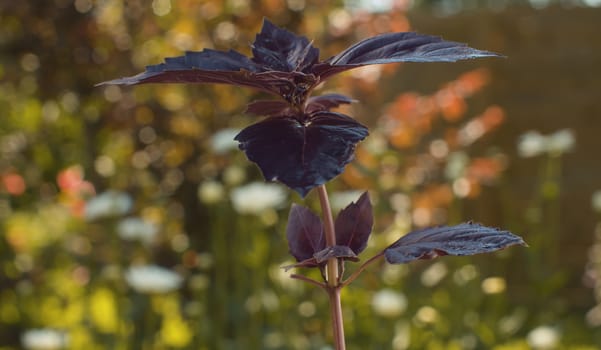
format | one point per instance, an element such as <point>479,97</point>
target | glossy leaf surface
<point>288,65</point>
<point>281,65</point>
<point>302,151</point>
<point>398,47</point>
<point>354,224</point>
<point>463,239</point>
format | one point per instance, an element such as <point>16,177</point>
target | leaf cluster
<point>353,226</point>
<point>301,143</point>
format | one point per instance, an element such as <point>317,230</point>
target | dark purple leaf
<point>304,232</point>
<point>321,257</point>
<point>280,65</point>
<point>302,151</point>
<point>354,224</point>
<point>398,47</point>
<point>406,47</point>
<point>279,83</point>
<point>314,104</point>
<point>207,66</point>
<point>326,102</point>
<point>280,50</point>
<point>463,239</point>
<point>337,251</point>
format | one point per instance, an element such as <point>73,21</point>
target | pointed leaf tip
<point>354,224</point>
<point>463,239</point>
<point>407,47</point>
<point>398,47</point>
<point>278,49</point>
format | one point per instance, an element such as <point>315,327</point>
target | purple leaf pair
<point>301,143</point>
<point>306,238</point>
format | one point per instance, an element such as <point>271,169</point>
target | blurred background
<point>129,219</point>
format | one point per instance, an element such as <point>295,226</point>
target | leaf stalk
<point>363,266</point>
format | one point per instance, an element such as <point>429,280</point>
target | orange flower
<point>13,183</point>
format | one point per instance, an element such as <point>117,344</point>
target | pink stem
<point>332,273</point>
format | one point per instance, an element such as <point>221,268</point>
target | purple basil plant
<point>303,144</point>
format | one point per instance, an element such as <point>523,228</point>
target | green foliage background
<point>63,141</point>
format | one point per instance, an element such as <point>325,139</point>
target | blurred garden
<point>129,218</point>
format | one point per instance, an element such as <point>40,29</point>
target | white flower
<point>44,339</point>
<point>400,202</point>
<point>211,192</point>
<point>434,274</point>
<point>532,144</point>
<point>426,314</point>
<point>339,200</point>
<point>456,164</point>
<point>137,229</point>
<point>223,141</point>
<point>543,337</point>
<point>389,303</point>
<point>152,279</point>
<point>376,143</point>
<point>596,201</point>
<point>257,197</point>
<point>593,316</point>
<point>493,285</point>
<point>109,203</point>
<point>561,141</point>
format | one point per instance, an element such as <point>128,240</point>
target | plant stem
<point>337,322</point>
<point>332,273</point>
<point>332,266</point>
